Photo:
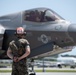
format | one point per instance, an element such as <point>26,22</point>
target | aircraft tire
<point>32,74</point>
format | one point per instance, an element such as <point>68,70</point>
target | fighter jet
<point>47,32</point>
<point>66,61</point>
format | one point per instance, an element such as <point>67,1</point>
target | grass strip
<point>5,71</point>
<point>56,70</point>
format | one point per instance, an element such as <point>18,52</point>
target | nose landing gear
<point>32,72</point>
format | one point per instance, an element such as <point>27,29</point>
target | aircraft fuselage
<point>49,30</point>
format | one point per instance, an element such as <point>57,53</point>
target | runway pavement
<point>44,68</point>
<point>46,73</point>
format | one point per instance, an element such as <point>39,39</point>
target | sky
<point>65,8</point>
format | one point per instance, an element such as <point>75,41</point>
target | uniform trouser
<point>19,68</point>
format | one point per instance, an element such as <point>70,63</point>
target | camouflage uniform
<point>18,49</point>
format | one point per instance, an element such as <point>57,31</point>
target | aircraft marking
<point>58,27</point>
<point>44,38</point>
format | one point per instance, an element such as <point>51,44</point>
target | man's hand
<point>15,59</point>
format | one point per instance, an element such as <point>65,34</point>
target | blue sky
<point>65,8</point>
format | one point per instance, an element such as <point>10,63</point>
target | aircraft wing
<point>48,50</point>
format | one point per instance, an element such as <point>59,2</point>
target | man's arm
<point>27,52</point>
<point>9,53</point>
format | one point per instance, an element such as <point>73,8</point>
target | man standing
<point>18,51</point>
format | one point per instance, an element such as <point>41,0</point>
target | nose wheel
<point>32,72</point>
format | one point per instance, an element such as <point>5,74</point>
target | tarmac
<point>44,69</point>
<point>46,73</point>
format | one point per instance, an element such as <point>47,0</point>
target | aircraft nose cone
<point>72,31</point>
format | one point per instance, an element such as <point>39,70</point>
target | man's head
<point>20,32</point>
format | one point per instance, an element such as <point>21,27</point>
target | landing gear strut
<point>32,72</point>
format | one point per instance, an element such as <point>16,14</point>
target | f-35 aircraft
<point>47,32</point>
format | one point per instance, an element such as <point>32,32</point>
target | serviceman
<point>18,51</point>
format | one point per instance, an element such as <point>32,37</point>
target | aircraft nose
<point>72,31</point>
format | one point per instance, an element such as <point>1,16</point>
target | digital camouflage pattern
<point>18,49</point>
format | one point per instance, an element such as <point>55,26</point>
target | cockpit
<point>41,15</point>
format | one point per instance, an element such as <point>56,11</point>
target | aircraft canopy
<point>41,15</point>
